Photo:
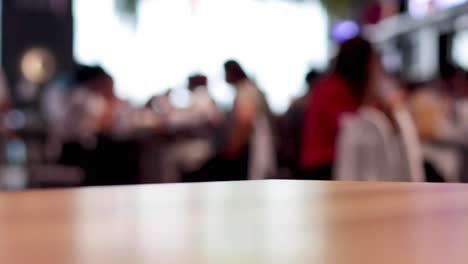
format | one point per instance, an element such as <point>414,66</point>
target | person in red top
<point>342,91</point>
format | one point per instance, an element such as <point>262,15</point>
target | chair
<point>411,144</point>
<point>368,149</point>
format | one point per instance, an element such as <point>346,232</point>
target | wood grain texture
<point>244,222</point>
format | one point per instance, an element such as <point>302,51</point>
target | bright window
<point>277,42</point>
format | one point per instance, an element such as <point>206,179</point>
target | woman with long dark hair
<point>344,90</point>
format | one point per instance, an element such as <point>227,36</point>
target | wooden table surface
<point>246,222</point>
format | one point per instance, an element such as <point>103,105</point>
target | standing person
<point>251,132</point>
<point>247,149</point>
<point>344,90</point>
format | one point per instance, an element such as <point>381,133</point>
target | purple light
<point>345,30</point>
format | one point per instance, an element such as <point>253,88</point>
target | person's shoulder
<point>248,89</point>
<point>335,81</point>
<point>248,85</point>
<point>330,84</point>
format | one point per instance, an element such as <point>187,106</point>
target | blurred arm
<point>244,117</point>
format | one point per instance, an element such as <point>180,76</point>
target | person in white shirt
<point>197,123</point>
<point>202,114</point>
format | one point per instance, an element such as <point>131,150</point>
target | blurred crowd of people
<point>355,122</point>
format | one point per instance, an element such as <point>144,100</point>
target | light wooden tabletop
<point>246,222</point>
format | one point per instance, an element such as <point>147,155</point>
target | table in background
<point>238,222</point>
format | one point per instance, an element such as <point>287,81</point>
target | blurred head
<point>197,81</point>
<point>96,79</point>
<point>234,72</point>
<point>355,61</point>
<point>311,78</point>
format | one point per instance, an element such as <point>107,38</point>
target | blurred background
<point>114,92</point>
